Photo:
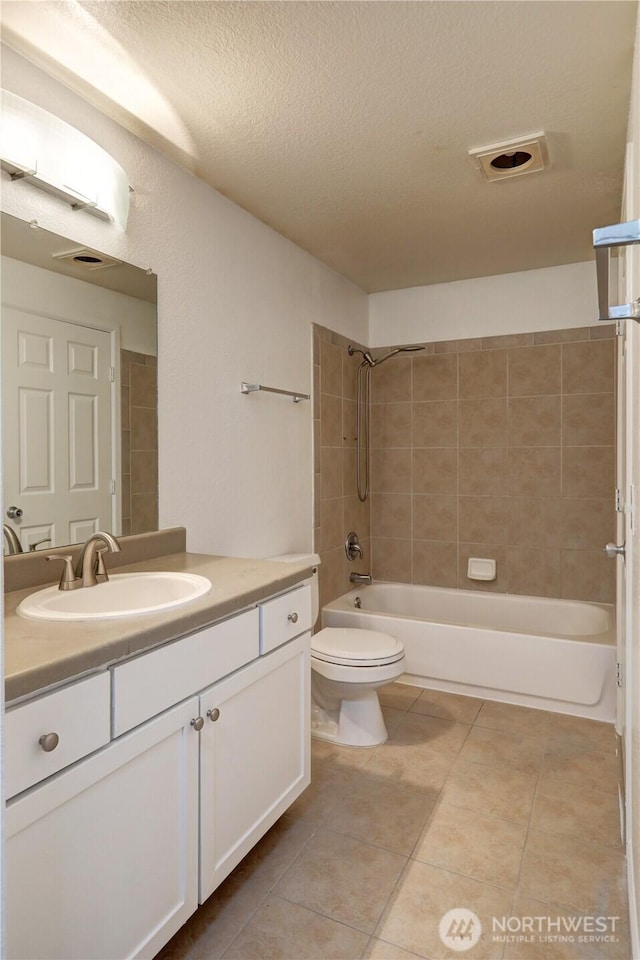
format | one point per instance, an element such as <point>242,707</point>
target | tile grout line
<point>268,893</point>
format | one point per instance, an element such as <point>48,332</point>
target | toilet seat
<point>355,647</point>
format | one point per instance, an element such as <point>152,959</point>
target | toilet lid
<point>349,645</point>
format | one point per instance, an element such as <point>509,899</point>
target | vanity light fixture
<point>50,154</point>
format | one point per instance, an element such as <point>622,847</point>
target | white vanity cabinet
<point>101,860</point>
<point>254,756</point>
<point>109,856</point>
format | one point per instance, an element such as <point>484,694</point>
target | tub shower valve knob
<point>352,546</point>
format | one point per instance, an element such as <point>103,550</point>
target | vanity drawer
<point>78,715</point>
<point>284,617</point>
<point>153,682</point>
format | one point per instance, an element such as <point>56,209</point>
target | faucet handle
<point>101,570</point>
<point>68,579</point>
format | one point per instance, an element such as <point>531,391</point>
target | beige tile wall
<point>139,412</point>
<point>337,507</point>
<point>501,447</point>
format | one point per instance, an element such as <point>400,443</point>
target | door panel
<point>57,449</point>
<point>254,758</point>
<point>101,859</point>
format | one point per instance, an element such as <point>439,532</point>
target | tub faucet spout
<point>360,578</point>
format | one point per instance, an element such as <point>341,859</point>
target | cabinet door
<point>101,860</point>
<point>254,757</point>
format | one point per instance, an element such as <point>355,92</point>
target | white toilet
<point>347,667</point>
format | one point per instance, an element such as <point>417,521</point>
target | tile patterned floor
<point>507,811</point>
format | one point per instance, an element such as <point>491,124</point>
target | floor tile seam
<point>555,905</point>
<point>482,813</point>
<point>290,866</point>
<point>503,764</point>
<point>392,893</point>
<point>598,754</point>
<point>488,766</point>
<point>530,740</point>
<point>528,826</point>
<point>379,846</point>
<point>572,908</point>
<point>438,716</point>
<point>587,843</point>
<point>390,943</point>
<point>574,781</point>
<point>568,780</point>
<point>403,787</point>
<point>325,916</point>
<point>367,843</point>
<point>465,876</point>
<point>529,736</point>
<point>268,892</point>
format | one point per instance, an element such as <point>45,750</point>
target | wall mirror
<point>79,391</point>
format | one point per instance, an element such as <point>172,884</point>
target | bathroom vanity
<point>145,770</point>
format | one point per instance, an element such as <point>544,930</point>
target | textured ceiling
<point>346,126</point>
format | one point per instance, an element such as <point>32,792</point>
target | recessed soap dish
<point>480,568</point>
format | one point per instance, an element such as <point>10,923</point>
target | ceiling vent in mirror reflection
<point>44,151</point>
<point>87,259</point>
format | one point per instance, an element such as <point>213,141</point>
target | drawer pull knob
<point>49,741</point>
<point>213,714</point>
<point>197,723</point>
<point>293,617</point>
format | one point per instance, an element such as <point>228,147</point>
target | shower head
<point>367,358</point>
<point>412,348</point>
<point>369,361</point>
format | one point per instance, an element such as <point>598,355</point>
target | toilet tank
<point>314,561</point>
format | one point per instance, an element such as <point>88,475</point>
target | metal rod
<point>604,238</point>
<point>295,395</point>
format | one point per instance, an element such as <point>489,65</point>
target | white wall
<point>235,302</point>
<point>65,298</point>
<point>554,298</point>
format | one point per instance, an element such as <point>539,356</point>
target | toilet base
<point>356,723</point>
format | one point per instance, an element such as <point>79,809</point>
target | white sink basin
<point>124,595</point>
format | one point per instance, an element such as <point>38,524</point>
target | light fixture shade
<point>45,151</point>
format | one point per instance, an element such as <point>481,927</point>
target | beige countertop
<point>41,653</point>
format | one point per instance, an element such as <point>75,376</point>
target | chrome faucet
<point>12,540</point>
<point>89,567</point>
<point>360,578</point>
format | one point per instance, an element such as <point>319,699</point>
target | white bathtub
<point>551,654</point>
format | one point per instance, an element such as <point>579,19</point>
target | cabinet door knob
<point>293,617</point>
<point>49,741</point>
<point>197,723</point>
<point>213,714</point>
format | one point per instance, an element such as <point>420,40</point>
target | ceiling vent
<point>512,158</point>
<point>87,259</point>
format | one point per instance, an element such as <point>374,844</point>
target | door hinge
<point>619,501</point>
<point>631,508</point>
<point>620,331</point>
<point>112,374</point>
<point>619,674</point>
<point>113,486</point>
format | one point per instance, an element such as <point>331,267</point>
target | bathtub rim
<point>607,638</point>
